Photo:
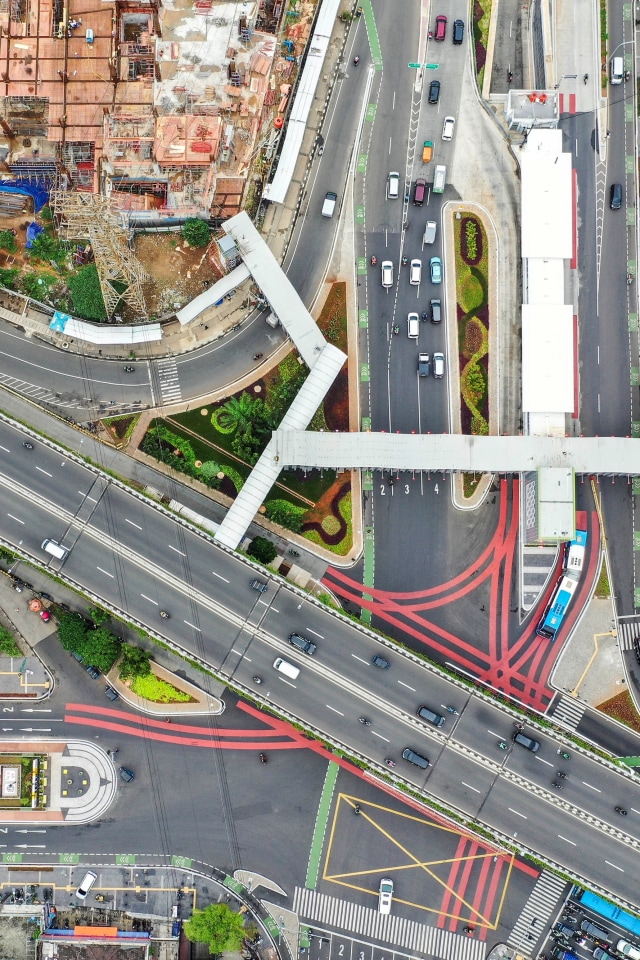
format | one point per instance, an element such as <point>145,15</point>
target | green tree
<point>218,926</point>
<point>100,648</point>
<point>134,663</point>
<point>262,550</point>
<point>209,469</point>
<point>98,614</point>
<point>196,232</point>
<point>238,413</point>
<point>87,295</point>
<point>8,241</point>
<point>8,277</point>
<point>46,247</point>
<point>8,645</point>
<point>71,631</point>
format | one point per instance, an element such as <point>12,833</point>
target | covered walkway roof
<point>591,455</point>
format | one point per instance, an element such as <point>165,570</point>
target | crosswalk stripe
<point>543,902</point>
<point>368,922</point>
<point>568,712</point>
<point>626,633</point>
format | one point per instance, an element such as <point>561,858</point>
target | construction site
<point>168,110</point>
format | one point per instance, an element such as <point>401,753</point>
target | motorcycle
<point>556,785</point>
<point>257,680</point>
<point>374,260</point>
<point>390,763</point>
<point>561,776</point>
<point>356,809</point>
<point>424,316</point>
<point>356,61</point>
<point>564,754</point>
<point>585,79</point>
<point>27,445</point>
<point>621,811</point>
<point>321,149</point>
<point>364,720</point>
<point>294,553</point>
<point>257,356</point>
<point>502,744</point>
<point>629,278</point>
<point>128,369</point>
<point>396,328</point>
<point>509,76</point>
<point>405,261</point>
<point>263,757</point>
<point>164,614</point>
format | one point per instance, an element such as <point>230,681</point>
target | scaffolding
<point>90,216</point>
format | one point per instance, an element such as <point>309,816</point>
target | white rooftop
<point>547,196</point>
<point>547,358</point>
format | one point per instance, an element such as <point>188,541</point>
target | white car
<point>447,128</point>
<point>385,896</point>
<point>415,272</point>
<point>387,273</point>
<point>413,326</point>
<point>438,365</point>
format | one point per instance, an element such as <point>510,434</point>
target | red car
<point>441,27</point>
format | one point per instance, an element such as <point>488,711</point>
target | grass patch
<point>159,691</point>
<point>8,645</point>
<point>603,588</point>
<point>470,482</point>
<point>122,427</point>
<point>621,708</point>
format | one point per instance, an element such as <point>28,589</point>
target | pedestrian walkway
<point>568,712</point>
<point>368,922</point>
<point>537,564</point>
<point>170,391</point>
<point>542,905</point>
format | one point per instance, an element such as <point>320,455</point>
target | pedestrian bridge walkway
<point>395,451</point>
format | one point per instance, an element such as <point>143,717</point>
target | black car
<point>307,646</point>
<point>258,585</point>
<point>93,672</point>
<point>615,197</point>
<point>379,661</point>
<point>434,91</point>
<point>127,775</point>
<point>111,694</point>
<point>458,31</point>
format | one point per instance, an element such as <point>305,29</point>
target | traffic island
<point>188,700</point>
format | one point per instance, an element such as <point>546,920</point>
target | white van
<point>393,187</point>
<point>289,669</point>
<point>616,69</point>
<point>87,882</point>
<point>329,204</point>
<point>54,548</point>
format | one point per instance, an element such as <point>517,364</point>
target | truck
<point>429,235</point>
<point>329,204</point>
<point>439,179</point>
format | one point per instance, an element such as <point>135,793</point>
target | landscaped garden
<point>219,444</point>
<point>472,259</point>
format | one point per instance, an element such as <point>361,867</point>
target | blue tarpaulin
<point>59,321</point>
<point>39,192</point>
<point>33,230</point>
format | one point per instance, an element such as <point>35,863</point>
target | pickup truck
<point>329,204</point>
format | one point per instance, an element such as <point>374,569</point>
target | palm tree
<point>238,413</point>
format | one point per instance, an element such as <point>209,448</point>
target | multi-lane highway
<point>131,555</point>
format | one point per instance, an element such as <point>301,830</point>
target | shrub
<point>286,514</point>
<point>473,337</point>
<point>98,614</point>
<point>152,688</point>
<point>8,645</point>
<point>8,241</point>
<point>475,383</point>
<point>479,426</point>
<point>134,662</point>
<point>196,232</point>
<point>8,277</point>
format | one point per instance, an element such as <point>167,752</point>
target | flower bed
<point>473,324</point>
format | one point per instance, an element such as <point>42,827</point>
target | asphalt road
<point>129,554</point>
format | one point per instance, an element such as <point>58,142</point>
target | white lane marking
<point>5,449</point>
<point>402,684</point>
<point>175,549</point>
<point>274,610</point>
<point>83,494</point>
<point>219,576</point>
<point>511,810</point>
<point>46,472</point>
<point>145,597</point>
<point>192,625</point>
<point>566,840</point>
<point>287,683</point>
<point>615,866</point>
<point>358,658</point>
<point>386,739</point>
<point>469,787</point>
<point>17,519</point>
<point>633,810</point>
<point>591,787</point>
<point>106,572</point>
<point>340,714</point>
<point>548,762</point>
<point>315,633</point>
<point>126,520</point>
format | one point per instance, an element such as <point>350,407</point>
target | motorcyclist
<point>374,260</point>
<point>356,61</point>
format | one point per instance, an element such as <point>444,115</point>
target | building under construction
<point>163,108</point>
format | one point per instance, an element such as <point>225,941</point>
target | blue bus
<point>556,609</point>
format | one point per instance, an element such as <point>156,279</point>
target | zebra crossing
<point>168,380</point>
<point>543,903</point>
<point>568,712</point>
<point>35,392</point>
<point>367,922</point>
<point>627,631</point>
<point>536,566</point>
